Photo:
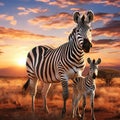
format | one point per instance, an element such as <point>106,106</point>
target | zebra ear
<point>90,16</point>
<point>76,15</point>
<point>89,60</point>
<point>98,61</point>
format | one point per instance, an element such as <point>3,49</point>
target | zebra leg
<point>45,89</point>
<point>77,107</point>
<point>74,104</point>
<point>83,106</point>
<point>65,96</point>
<point>92,106</point>
<point>76,100</point>
<point>33,103</point>
<point>33,91</point>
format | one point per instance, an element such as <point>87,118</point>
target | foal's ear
<point>90,16</point>
<point>98,61</point>
<point>76,16</point>
<point>89,60</point>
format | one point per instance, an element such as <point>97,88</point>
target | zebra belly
<point>50,80</point>
<point>48,77</point>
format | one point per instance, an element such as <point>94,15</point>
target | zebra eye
<point>90,30</point>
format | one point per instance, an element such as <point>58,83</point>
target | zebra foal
<point>60,64</point>
<point>83,86</point>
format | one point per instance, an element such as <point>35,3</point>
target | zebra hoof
<point>79,117</point>
<point>63,113</point>
<point>33,110</point>
<point>46,110</point>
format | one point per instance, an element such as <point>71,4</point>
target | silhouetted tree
<point>107,75</point>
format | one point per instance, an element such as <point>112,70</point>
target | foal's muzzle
<point>94,76</point>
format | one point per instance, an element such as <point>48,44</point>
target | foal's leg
<point>83,106</point>
<point>77,106</point>
<point>76,100</point>
<point>33,91</point>
<point>92,106</point>
<point>45,89</point>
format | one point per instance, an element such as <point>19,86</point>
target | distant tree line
<point>107,75</point>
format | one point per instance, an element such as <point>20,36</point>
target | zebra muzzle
<point>86,45</point>
<point>94,76</point>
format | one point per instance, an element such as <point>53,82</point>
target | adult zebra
<point>61,64</point>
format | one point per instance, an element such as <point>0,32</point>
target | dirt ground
<point>11,112</point>
<point>15,106</point>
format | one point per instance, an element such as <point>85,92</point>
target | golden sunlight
<point>21,61</point>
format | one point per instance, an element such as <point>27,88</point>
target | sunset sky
<point>27,23</point>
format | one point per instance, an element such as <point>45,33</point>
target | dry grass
<point>15,106</point>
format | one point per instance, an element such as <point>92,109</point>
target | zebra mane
<point>93,61</point>
<point>71,35</point>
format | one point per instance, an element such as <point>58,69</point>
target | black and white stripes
<point>60,64</point>
<point>83,86</point>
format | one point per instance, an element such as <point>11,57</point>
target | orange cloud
<point>107,2</point>
<point>106,42</point>
<point>66,3</point>
<point>105,17</point>
<point>102,44</point>
<point>13,71</point>
<point>42,0</point>
<point>57,21</point>
<point>9,18</point>
<point>117,45</point>
<point>78,9</point>
<point>25,11</point>
<point>6,33</point>
<point>62,3</point>
<point>1,51</point>
<point>111,29</point>
<point>113,3</point>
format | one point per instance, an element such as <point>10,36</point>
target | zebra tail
<point>25,86</point>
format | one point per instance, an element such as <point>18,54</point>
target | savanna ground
<point>15,106</point>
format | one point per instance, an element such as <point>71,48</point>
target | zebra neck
<point>89,81</point>
<point>76,51</point>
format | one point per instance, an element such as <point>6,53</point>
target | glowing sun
<point>21,61</point>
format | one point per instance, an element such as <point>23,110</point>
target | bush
<point>107,75</point>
